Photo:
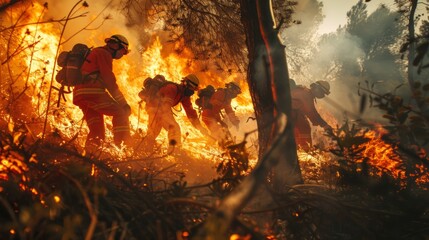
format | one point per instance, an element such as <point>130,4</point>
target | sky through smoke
<point>335,12</point>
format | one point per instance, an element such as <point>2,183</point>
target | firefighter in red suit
<point>99,95</point>
<point>212,116</point>
<point>304,109</point>
<point>161,113</point>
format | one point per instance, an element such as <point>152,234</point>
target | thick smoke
<point>345,58</point>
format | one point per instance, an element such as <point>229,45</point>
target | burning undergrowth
<point>51,189</point>
<point>46,183</point>
<point>361,184</point>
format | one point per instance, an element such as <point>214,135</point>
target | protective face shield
<point>188,92</point>
<point>318,94</point>
<point>119,45</point>
<point>324,85</point>
<point>119,54</point>
<point>192,82</point>
<point>233,89</point>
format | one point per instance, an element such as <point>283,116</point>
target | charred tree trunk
<point>269,86</point>
<point>258,78</point>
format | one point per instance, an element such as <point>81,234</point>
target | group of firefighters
<point>100,96</point>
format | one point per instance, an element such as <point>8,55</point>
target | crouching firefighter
<point>160,111</point>
<point>304,111</point>
<point>212,115</point>
<point>99,94</point>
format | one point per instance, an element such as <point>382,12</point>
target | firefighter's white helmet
<point>192,80</point>
<point>121,40</point>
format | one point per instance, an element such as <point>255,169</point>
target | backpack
<point>70,63</point>
<point>204,95</point>
<point>151,87</point>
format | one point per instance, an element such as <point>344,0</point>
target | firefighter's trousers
<point>94,108</point>
<point>214,123</point>
<point>159,118</point>
<point>302,132</point>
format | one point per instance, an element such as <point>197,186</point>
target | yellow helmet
<point>320,89</point>
<point>234,86</point>
<point>323,85</point>
<point>159,77</point>
<point>121,40</point>
<point>192,80</point>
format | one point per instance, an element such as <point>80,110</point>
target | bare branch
<point>45,22</point>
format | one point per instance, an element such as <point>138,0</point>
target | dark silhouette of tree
<point>414,48</point>
<point>210,28</point>
<point>268,74</point>
<point>378,34</point>
<point>268,77</point>
<point>422,57</point>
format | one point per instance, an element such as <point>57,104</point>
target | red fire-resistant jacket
<point>221,100</point>
<point>173,94</point>
<point>100,59</point>
<point>303,107</point>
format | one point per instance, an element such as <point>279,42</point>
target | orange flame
<point>130,71</point>
<point>382,155</point>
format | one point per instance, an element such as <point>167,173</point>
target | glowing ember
<point>238,237</point>
<point>11,164</point>
<point>57,199</point>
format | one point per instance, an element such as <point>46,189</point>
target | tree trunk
<point>269,87</point>
<point>412,48</point>
<point>413,75</point>
<point>257,76</point>
<point>268,81</point>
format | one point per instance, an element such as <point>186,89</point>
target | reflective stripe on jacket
<point>100,59</point>
<point>173,94</point>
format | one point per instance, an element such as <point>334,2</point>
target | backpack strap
<point>94,75</point>
<point>224,95</point>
